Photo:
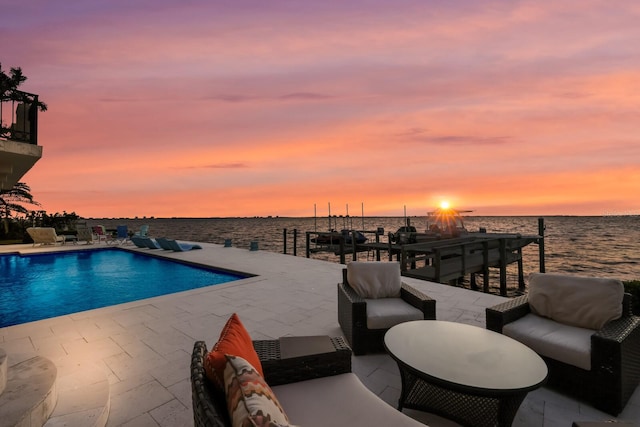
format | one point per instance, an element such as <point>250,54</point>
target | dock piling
<point>295,242</point>
<point>284,241</point>
<point>541,228</point>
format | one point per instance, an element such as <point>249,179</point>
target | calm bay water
<point>591,246</point>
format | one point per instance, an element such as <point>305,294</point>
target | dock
<point>446,260</point>
<point>449,260</point>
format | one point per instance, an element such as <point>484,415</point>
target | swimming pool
<point>40,286</point>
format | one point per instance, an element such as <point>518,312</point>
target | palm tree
<point>11,201</point>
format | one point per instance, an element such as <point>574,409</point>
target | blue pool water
<point>41,286</point>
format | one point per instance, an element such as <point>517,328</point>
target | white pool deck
<point>144,347</point>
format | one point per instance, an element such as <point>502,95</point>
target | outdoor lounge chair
<point>137,240</point>
<point>584,329</point>
<point>101,234</point>
<point>83,233</point>
<point>45,236</point>
<point>144,231</point>
<point>313,389</point>
<point>122,234</point>
<point>164,243</point>
<point>374,301</point>
<point>148,242</point>
<point>180,247</point>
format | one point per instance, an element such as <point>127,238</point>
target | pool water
<point>35,287</point>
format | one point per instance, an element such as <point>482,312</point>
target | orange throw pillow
<point>236,341</point>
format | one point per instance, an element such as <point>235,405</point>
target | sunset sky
<point>199,108</point>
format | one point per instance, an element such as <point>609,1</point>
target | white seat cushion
<point>339,400</point>
<point>44,235</point>
<point>383,313</point>
<point>565,343</point>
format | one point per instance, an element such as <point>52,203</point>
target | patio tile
<point>65,331</point>
<point>429,419</point>
<point>386,377</point>
<point>28,330</point>
<point>391,395</point>
<point>169,342</point>
<point>367,363</point>
<point>13,347</point>
<point>87,397</point>
<point>182,391</point>
<point>103,347</point>
<point>557,415</point>
<point>144,420</point>
<point>144,347</point>
<point>50,348</point>
<point>132,316</point>
<point>132,403</point>
<point>91,331</point>
<point>530,413</point>
<point>631,413</point>
<point>174,371</point>
<point>172,413</point>
<point>93,416</point>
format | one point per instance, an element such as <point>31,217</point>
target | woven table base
<point>464,408</point>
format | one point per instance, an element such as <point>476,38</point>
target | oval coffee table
<point>468,374</point>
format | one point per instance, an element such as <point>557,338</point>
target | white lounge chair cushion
<point>44,235</point>
<point>585,302</point>
<point>383,313</point>
<point>339,400</point>
<point>374,279</point>
<point>565,343</point>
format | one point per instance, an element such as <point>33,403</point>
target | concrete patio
<point>140,351</point>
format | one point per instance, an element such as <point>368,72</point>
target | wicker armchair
<point>352,316</point>
<point>210,405</point>
<point>615,357</point>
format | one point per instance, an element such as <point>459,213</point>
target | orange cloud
<point>223,110</point>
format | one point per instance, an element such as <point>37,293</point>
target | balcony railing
<point>19,117</point>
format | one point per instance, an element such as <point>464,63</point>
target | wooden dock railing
<point>448,260</point>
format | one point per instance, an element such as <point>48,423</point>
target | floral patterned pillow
<point>250,400</point>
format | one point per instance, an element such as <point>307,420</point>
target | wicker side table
<point>292,359</point>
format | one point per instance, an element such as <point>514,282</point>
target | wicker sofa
<point>614,352</point>
<point>314,390</point>
<point>353,316</point>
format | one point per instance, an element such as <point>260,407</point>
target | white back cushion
<point>374,279</point>
<point>585,302</point>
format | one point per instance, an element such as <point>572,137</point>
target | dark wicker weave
<point>615,357</point>
<point>352,316</point>
<point>209,404</point>
<point>487,409</point>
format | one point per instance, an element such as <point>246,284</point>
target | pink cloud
<point>500,105</point>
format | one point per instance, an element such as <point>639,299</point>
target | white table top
<point>466,355</point>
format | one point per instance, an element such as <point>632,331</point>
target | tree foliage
<point>9,84</point>
<point>15,217</point>
<point>9,92</point>
<point>12,200</point>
